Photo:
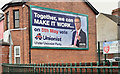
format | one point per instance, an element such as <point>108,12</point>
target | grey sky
<point>103,6</point>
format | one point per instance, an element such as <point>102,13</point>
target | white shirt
<point>78,31</point>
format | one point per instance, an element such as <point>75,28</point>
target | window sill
<point>18,29</point>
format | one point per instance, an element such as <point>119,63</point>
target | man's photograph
<point>79,36</point>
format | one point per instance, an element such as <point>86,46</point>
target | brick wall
<point>67,56</point>
<point>1,29</point>
<point>51,55</point>
<point>116,12</point>
<point>19,37</point>
<point>4,55</point>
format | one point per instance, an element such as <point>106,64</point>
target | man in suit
<point>79,36</point>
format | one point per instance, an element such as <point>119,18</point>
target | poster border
<point>50,9</point>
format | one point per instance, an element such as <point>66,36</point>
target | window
<point>17,54</point>
<point>7,21</point>
<point>16,18</point>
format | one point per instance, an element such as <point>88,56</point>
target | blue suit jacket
<point>82,41</point>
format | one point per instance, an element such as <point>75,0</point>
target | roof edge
<point>12,4</point>
<point>21,3</point>
<point>2,17</point>
<point>114,18</point>
<point>94,10</point>
<point>2,43</point>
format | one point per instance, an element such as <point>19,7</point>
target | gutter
<point>2,43</point>
<point>21,3</point>
<point>1,18</point>
<point>29,33</point>
<point>10,4</point>
<point>92,8</point>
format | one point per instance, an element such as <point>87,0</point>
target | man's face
<point>77,24</point>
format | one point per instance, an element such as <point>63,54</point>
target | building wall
<point>22,38</point>
<point>1,59</point>
<point>19,37</point>
<point>116,12</point>
<point>118,32</point>
<point>4,55</point>
<point>67,56</point>
<point>106,29</point>
<point>1,29</point>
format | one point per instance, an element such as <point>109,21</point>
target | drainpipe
<point>99,53</point>
<point>29,33</point>
<point>10,49</point>
<point>105,55</point>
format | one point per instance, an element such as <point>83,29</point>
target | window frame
<point>14,19</point>
<point>7,21</point>
<point>16,56</point>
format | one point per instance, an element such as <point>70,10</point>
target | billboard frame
<point>109,45</point>
<point>50,9</point>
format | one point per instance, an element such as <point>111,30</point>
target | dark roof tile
<point>112,17</point>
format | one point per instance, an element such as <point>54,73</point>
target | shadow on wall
<point>119,4</point>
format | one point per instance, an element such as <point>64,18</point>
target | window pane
<point>7,20</point>
<point>16,14</point>
<point>17,51</point>
<point>18,60</point>
<point>16,18</point>
<point>16,23</point>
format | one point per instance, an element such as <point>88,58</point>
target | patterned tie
<point>75,41</point>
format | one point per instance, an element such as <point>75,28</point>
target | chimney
<point>16,0</point>
<point>20,0</point>
<point>116,12</point>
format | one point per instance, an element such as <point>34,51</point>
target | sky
<point>105,6</point>
<point>102,6</point>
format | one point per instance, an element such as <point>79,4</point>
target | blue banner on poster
<point>46,19</point>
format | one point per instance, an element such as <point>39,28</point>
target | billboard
<point>56,29</point>
<point>111,47</point>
